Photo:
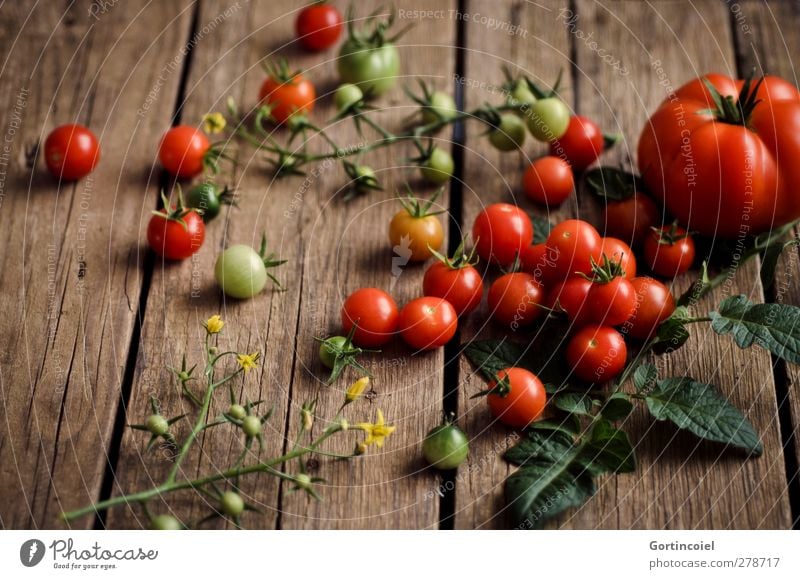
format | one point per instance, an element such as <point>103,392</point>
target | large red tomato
<point>727,166</point>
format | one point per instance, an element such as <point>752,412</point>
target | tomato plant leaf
<point>541,228</point>
<point>611,184</point>
<point>774,327</point>
<point>574,403</point>
<point>700,409</point>
<point>672,333</point>
<point>769,260</point>
<point>617,407</point>
<point>645,377</point>
<point>609,450</point>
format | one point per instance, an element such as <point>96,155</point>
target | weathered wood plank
<point>69,254</point>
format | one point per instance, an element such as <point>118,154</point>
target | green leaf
<point>574,403</point>
<point>540,491</point>
<point>700,409</point>
<point>491,356</point>
<point>774,327</point>
<point>550,446</point>
<point>644,377</point>
<point>617,407</point>
<point>541,228</point>
<point>609,451</point>
<point>769,261</point>
<point>611,184</point>
<point>672,333</point>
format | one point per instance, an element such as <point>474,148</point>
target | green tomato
<point>439,167</point>
<point>240,272</point>
<point>445,447</point>
<point>548,119</point>
<point>373,69</point>
<point>157,424</point>
<point>237,411</point>
<point>346,96</point>
<point>510,135</point>
<point>251,425</point>
<point>443,107</point>
<point>165,523</point>
<point>303,481</point>
<point>205,198</point>
<point>232,503</point>
<point>328,349</point>
<point>522,94</point>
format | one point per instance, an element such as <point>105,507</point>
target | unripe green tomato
<point>165,523</point>
<point>205,198</point>
<point>232,503</point>
<point>439,167</point>
<point>373,69</point>
<point>548,119</point>
<point>303,481</point>
<point>157,424</point>
<point>522,94</point>
<point>251,425</point>
<point>240,272</point>
<point>237,411</point>
<point>328,349</point>
<point>346,96</point>
<point>445,447</point>
<point>510,135</point>
<point>441,103</point>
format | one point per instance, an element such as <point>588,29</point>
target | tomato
<point>157,424</point>
<point>371,65</point>
<point>328,349</point>
<point>442,107</point>
<point>346,96</point>
<point>231,503</point>
<point>461,285</point>
<point>318,26</point>
<point>176,234</point>
<point>445,447</point>
<point>240,272</point>
<point>514,299</point>
<point>237,411</point>
<point>538,261</point>
<point>427,323</point>
<point>570,297</point>
<point>509,134</point>
<point>208,199</point>
<point>573,245</point>
<point>654,304</point>
<point>581,144</point>
<point>548,119</point>
<point>375,313</point>
<point>611,303</point>
<point>630,220</point>
<point>521,94</point>
<point>251,425</point>
<point>500,233</point>
<point>71,152</point>
<point>597,353</point>
<point>669,251</point>
<point>287,94</point>
<point>165,523</point>
<point>729,172</point>
<point>619,252</point>
<point>416,229</point>
<point>182,151</point>
<point>438,167</point>
<point>548,181</point>
<point>521,401</point>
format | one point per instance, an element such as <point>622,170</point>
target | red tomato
<point>597,353</point>
<point>318,26</point>
<point>725,173</point>
<point>427,323</point>
<point>375,312</point>
<point>569,296</point>
<point>287,97</point>
<point>461,286</point>
<point>619,252</point>
<point>500,232</point>
<point>669,252</point>
<point>514,299</point>
<point>538,261</point>
<point>581,144</point>
<point>182,151</point>
<point>71,152</point>
<point>654,304</point>
<point>611,303</point>
<point>574,244</point>
<point>170,238</point>
<point>522,403</point>
<point>548,181</point>
<point>630,220</point>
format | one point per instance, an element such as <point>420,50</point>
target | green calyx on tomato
<point>242,272</point>
<point>446,446</point>
<point>339,352</point>
<point>501,388</point>
<point>419,210</point>
<point>437,107</point>
<point>207,199</point>
<point>362,180</point>
<point>461,258</point>
<point>174,213</point>
<point>734,111</point>
<point>606,271</point>
<point>671,234</point>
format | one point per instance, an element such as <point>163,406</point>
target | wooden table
<point>90,318</point>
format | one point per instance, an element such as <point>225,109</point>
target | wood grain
<point>70,253</point>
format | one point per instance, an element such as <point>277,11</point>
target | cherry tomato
<point>373,64</point>
<point>548,119</point>
<point>619,252</point>
<point>669,251</point>
<point>509,134</point>
<point>538,261</point>
<point>445,447</point>
<point>522,403</point>
<point>573,245</point>
<point>514,299</point>
<point>570,296</point>
<point>611,303</point>
<point>438,168</point>
<point>597,353</point>
<point>287,94</point>
<point>500,232</point>
<point>232,503</point>
<point>581,144</point>
<point>318,26</point>
<point>375,312</point>
<point>442,108</point>
<point>170,238</point>
<point>654,304</point>
<point>462,286</point>
<point>548,181</point>
<point>71,152</point>
<point>427,323</point>
<point>182,151</point>
<point>346,96</point>
<point>417,230</point>
<point>165,523</point>
<point>631,219</point>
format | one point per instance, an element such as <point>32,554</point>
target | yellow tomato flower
<point>356,389</point>
<point>214,324</point>
<point>214,123</point>
<point>377,432</point>
<point>247,361</point>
